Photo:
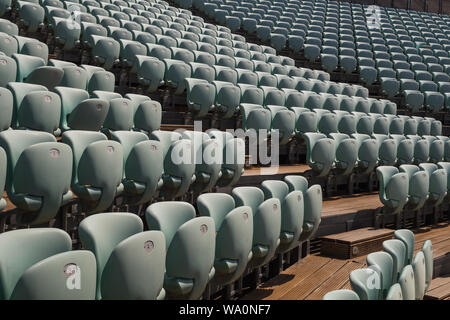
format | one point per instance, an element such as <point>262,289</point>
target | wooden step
<point>439,289</point>
<point>356,243</point>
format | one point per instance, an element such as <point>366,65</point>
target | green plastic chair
<point>395,292</point>
<point>8,44</point>
<point>175,73</point>
<point>97,168</point>
<point>367,153</point>
<point>427,250</point>
<point>407,283</point>
<point>105,50</point>
<point>283,120</point>
<point>418,188</point>
<point>419,268</point>
<point>46,268</point>
<point>7,26</point>
<point>30,184</point>
<point>296,183</point>
<point>99,79</point>
<point>346,153</point>
<point>393,189</point>
<point>343,294</point>
<point>130,262</point>
<point>32,47</point>
<point>202,71</point>
<point>129,49</point>
<point>119,116</point>
<point>266,223</point>
<point>150,72</point>
<point>227,98</point>
<point>436,148</point>
<point>208,158</point>
<point>438,183</point>
<point>397,249</point>
<point>312,212</point>
<point>143,166</point>
<point>446,167</point>
<point>31,15</point>
<point>320,153</point>
<point>41,111</point>
<point>8,70</point>
<point>407,237</point>
<point>179,164</point>
<point>6,109</point>
<point>234,228</point>
<point>292,212</point>
<point>148,116</point>
<point>366,283</point>
<point>387,149</point>
<point>255,117</point>
<point>67,32</point>
<point>190,244</point>
<point>200,96</point>
<point>382,262</point>
<point>405,149</point>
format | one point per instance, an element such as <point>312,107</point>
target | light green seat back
<point>382,262</point>
<point>179,164</point>
<point>233,157</point>
<point>312,200</point>
<point>306,120</point>
<point>8,69</point>
<point>33,157</point>
<point>101,233</point>
<point>120,115</point>
<point>19,91</point>
<point>46,76</point>
<point>419,269</point>
<point>6,108</point>
<point>407,237</point>
<point>405,149</point>
<point>97,168</point>
<point>419,182</point>
<point>395,292</point>
<point>421,149</point>
<point>208,158</point>
<point>367,152</point>
<point>175,73</point>
<point>3,166</point>
<point>148,116</point>
<point>343,294</point>
<point>327,121</point>
<point>7,26</point>
<point>255,117</point>
<point>200,96</point>
<point>129,49</point>
<point>41,111</point>
<point>346,153</point>
<point>190,246</point>
<point>67,32</point>
<point>26,64</point>
<point>320,153</point>
<point>74,77</point>
<point>438,182</point>
<point>105,51</point>
<point>70,98</point>
<point>427,250</point>
<point>234,227</point>
<point>366,283</point>
<point>31,15</point>
<point>21,249</point>
<point>407,283</point>
<point>387,149</point>
<point>89,115</point>
<point>296,183</point>
<point>393,188</point>
<point>283,120</point>
<point>99,79</point>
<point>397,249</point>
<point>143,165</point>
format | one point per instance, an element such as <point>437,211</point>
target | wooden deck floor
<point>439,288</point>
<point>351,203</point>
<point>284,169</point>
<point>316,275</point>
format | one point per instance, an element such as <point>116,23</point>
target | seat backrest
<point>312,211</point>
<point>384,264</point>
<point>252,197</point>
<point>343,294</point>
<point>21,249</point>
<point>41,111</point>
<point>419,269</point>
<point>216,206</point>
<point>101,233</point>
<point>70,98</point>
<point>407,237</point>
<point>298,183</point>
<point>397,249</point>
<point>366,283</point>
<point>407,283</point>
<point>275,189</point>
<point>427,250</point>
<point>395,292</point>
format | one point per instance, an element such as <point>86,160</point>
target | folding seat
<point>8,70</point>
<point>438,183</point>
<point>382,262</point>
<point>266,221</point>
<point>177,221</point>
<point>346,153</point>
<point>251,94</point>
<point>33,70</point>
<point>434,100</point>
<point>40,111</point>
<point>393,188</point>
<point>255,117</point>
<point>31,15</point>
<point>45,250</point>
<point>311,52</point>
<point>395,292</point>
<point>320,152</point>
<point>150,72</point>
<point>368,74</point>
<point>436,148</point>
<point>418,189</point>
<point>179,165</point>
<point>114,250</point>
<point>381,124</point>
<point>329,62</point>
<point>405,149</point>
<point>283,120</point>
<point>428,254</point>
<point>105,50</point>
<point>397,250</point>
<point>98,164</point>
<point>7,26</point>
<point>365,282</point>
<point>419,269</point>
<point>343,294</point>
<point>175,73</point>
<point>227,98</point>
<point>389,86</point>
<point>407,237</point>
<point>407,283</point>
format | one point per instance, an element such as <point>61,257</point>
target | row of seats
<point>97,170</point>
<point>404,51</point>
<point>411,187</point>
<point>392,274</point>
<point>177,258</point>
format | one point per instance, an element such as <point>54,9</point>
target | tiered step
<point>439,288</point>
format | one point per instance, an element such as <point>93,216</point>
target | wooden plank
<point>301,290</point>
<point>283,169</point>
<point>335,282</point>
<point>359,235</point>
<point>440,293</point>
<point>278,286</point>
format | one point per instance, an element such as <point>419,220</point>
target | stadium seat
<point>393,188</point>
<point>407,283</point>
<point>438,183</point>
<point>395,292</point>
<point>189,264</point>
<point>419,268</point>
<point>397,249</point>
<point>382,262</point>
<point>234,227</point>
<point>124,270</point>
<point>366,283</point>
<point>418,187</point>
<point>320,153</point>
